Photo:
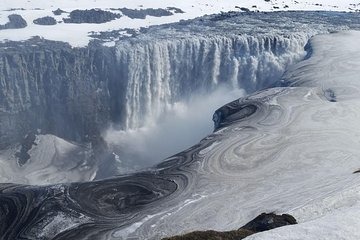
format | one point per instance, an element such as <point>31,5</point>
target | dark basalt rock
<point>58,12</point>
<point>45,21</point>
<point>267,221</point>
<point>142,13</point>
<point>263,222</point>
<point>213,235</point>
<point>15,21</point>
<point>26,144</point>
<point>91,16</point>
<point>176,10</point>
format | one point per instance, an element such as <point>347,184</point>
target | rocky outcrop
<point>45,21</point>
<point>91,16</point>
<point>142,13</point>
<point>263,222</point>
<point>15,21</point>
<point>58,12</point>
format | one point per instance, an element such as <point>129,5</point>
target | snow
<point>333,213</point>
<point>52,160</point>
<point>341,224</point>
<point>78,34</point>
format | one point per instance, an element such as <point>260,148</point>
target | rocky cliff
<point>58,89</point>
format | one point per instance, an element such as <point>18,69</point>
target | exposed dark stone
<point>15,21</point>
<point>267,221</point>
<point>243,8</point>
<point>214,235</point>
<point>91,16</point>
<point>15,9</point>
<point>223,16</point>
<point>176,10</point>
<point>58,12</point>
<point>263,222</point>
<point>45,21</point>
<point>233,110</point>
<point>27,143</point>
<point>330,95</point>
<point>142,13</point>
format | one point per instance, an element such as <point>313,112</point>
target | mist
<point>185,124</point>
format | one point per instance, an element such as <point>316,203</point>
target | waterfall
<point>160,72</point>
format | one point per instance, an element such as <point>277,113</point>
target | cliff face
<point>74,93</point>
<point>58,89</point>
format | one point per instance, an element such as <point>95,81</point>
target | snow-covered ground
<point>333,202</point>
<point>52,160</point>
<point>78,34</point>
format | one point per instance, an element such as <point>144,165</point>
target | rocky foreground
<point>263,222</point>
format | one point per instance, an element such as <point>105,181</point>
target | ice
<point>51,160</point>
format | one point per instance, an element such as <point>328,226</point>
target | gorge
<point>274,149</point>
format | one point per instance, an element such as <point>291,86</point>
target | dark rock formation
<point>15,21</point>
<point>263,222</point>
<point>27,143</point>
<point>243,8</point>
<point>45,21</point>
<point>142,13</point>
<point>267,221</point>
<point>214,235</point>
<point>72,93</point>
<point>58,12</point>
<point>91,16</point>
<point>176,10</point>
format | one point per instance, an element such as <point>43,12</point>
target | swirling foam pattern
<point>290,149</point>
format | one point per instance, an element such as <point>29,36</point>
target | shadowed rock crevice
<point>263,222</point>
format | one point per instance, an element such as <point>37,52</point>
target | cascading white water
<point>161,72</point>
<point>175,84</point>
